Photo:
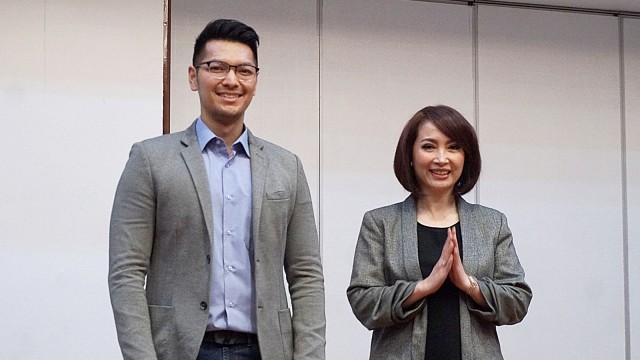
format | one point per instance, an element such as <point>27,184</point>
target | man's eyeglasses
<point>220,69</point>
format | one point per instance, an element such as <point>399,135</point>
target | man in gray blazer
<point>205,220</point>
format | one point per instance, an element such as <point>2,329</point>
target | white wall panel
<point>549,124</point>
<point>81,81</point>
<point>382,61</point>
<point>22,84</point>
<point>632,120</point>
<point>75,92</point>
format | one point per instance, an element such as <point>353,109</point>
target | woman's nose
<point>441,156</point>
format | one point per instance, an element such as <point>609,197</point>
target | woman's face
<point>437,160</point>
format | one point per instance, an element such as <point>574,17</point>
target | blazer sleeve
<point>377,288</point>
<point>506,292</point>
<point>303,269</point>
<point>130,242</point>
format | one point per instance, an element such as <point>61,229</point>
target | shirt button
<point>232,304</point>
<point>231,268</point>
<point>203,305</point>
<point>228,197</point>
<point>228,232</point>
<point>226,165</point>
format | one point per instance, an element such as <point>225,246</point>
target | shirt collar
<point>205,135</point>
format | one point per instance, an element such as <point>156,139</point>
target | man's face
<point>223,101</point>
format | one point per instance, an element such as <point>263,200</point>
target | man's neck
<point>229,131</point>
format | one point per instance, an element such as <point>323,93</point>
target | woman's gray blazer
<point>386,269</point>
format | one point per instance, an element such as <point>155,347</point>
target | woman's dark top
<point>443,307</point>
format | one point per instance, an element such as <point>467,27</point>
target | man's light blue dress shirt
<point>232,294</point>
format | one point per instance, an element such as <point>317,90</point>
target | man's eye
<point>216,68</point>
<point>245,71</point>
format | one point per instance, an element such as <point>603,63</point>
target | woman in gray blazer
<point>434,275</point>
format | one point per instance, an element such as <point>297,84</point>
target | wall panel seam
<point>625,223</point>
<point>476,81</point>
<point>319,9</point>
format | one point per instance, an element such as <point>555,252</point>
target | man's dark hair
<point>229,30</point>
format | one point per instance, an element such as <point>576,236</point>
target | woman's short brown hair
<point>451,123</point>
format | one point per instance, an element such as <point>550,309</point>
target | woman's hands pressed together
<point>449,265</point>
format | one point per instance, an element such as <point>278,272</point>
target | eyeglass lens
<point>220,70</point>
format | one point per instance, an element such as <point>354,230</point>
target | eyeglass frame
<point>234,67</point>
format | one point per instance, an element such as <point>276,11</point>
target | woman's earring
<point>411,163</point>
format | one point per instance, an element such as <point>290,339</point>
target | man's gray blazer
<point>161,233</point>
<point>386,269</point>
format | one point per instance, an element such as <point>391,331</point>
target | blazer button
<point>203,305</point>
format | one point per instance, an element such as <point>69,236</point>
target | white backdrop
<point>631,31</point>
<point>81,81</point>
<point>550,135</point>
<point>380,65</point>
<point>549,120</point>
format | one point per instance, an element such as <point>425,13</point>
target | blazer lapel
<point>470,266</point>
<point>410,239</point>
<point>259,163</point>
<point>468,234</point>
<point>193,159</point>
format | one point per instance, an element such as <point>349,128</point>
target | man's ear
<point>193,78</point>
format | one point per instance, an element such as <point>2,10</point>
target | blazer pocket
<point>284,316</point>
<point>277,195</point>
<point>162,329</point>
